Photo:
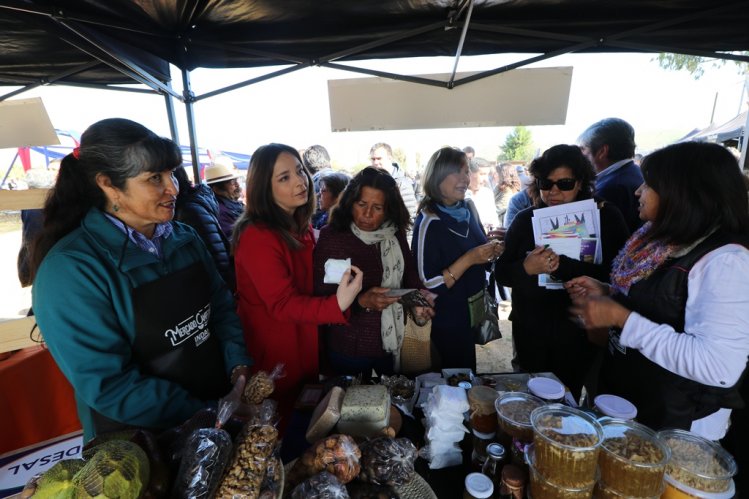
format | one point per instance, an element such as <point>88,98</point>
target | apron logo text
<point>189,327</point>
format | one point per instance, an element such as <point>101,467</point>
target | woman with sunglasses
<point>545,338</point>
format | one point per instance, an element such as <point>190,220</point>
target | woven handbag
<point>416,351</point>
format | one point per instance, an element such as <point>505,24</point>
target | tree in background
<point>518,145</point>
<point>695,65</point>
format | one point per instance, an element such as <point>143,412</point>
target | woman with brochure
<point>369,227</point>
<point>544,336</point>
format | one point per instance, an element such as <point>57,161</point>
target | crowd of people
<point>307,272</point>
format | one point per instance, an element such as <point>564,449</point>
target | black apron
<point>172,339</point>
<point>665,399</point>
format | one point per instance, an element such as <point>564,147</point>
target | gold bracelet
<point>451,274</point>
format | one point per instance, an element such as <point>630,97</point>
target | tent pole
<point>744,144</point>
<point>171,116</point>
<point>189,98</point>
<point>460,43</point>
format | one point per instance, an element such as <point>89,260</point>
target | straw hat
<point>221,170</point>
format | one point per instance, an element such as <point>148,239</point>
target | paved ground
<point>495,357</point>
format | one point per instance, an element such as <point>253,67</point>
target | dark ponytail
<point>115,147</point>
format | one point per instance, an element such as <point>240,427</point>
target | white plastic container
<point>615,406</point>
<point>546,389</point>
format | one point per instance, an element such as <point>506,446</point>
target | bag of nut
<point>336,454</point>
<point>321,486</point>
<point>261,385</point>
<point>244,475</point>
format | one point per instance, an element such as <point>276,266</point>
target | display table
<point>37,401</point>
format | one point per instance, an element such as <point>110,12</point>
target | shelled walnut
<point>259,387</point>
<point>245,473</point>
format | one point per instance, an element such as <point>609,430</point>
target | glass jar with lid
<point>496,459</point>
<point>478,486</point>
<point>480,441</point>
<point>513,483</point>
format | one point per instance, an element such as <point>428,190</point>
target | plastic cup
<point>697,463</point>
<point>632,459</point>
<point>567,442</point>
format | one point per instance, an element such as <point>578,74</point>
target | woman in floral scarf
<point>676,315</point>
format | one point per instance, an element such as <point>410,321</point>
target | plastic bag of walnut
<point>261,385</point>
<point>246,471</point>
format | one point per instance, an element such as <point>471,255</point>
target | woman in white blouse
<point>678,303</point>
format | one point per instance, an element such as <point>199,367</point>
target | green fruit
<point>57,482</point>
<point>118,470</point>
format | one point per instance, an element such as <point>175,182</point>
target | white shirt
<point>714,346</point>
<point>485,206</point>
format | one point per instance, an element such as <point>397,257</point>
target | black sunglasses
<point>564,184</point>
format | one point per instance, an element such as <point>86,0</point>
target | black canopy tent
<point>108,43</point>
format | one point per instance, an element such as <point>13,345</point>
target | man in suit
<point>610,146</point>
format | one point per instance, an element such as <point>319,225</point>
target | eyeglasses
<point>563,184</point>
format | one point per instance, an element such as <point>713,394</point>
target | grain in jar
<point>696,463</point>
<point>632,459</point>
<point>567,443</point>
<point>514,414</point>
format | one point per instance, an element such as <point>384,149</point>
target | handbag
<point>416,350</point>
<point>488,329</point>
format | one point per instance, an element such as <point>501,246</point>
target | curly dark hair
<point>563,155</point>
<point>395,209</point>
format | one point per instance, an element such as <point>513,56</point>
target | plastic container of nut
<point>697,464</point>
<point>567,442</point>
<point>542,488</point>
<point>601,491</point>
<point>514,414</point>
<point>632,458</point>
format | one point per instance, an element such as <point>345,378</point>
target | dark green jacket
<point>83,306</point>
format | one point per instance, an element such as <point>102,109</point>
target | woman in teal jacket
<point>130,303</point>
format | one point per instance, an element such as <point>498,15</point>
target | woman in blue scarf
<point>452,255</point>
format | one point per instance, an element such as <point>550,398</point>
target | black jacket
<point>198,208</point>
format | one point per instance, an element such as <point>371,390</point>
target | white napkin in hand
<point>334,270</point>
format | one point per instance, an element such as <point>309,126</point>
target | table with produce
<point>449,435</point>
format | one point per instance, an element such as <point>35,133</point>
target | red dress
<point>279,314</point>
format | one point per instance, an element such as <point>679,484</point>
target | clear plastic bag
<point>206,454</point>
<point>245,473</point>
<point>323,485</point>
<point>261,385</point>
<point>337,454</point>
<point>387,461</point>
